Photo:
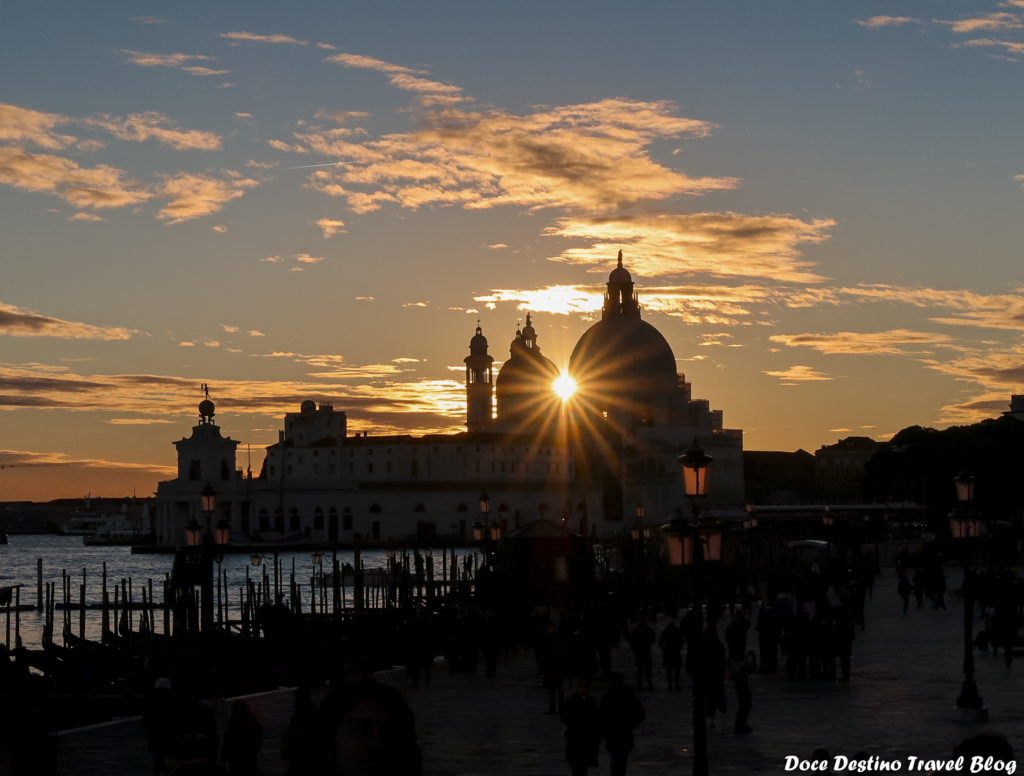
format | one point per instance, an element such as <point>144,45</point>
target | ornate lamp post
<point>484,532</point>
<point>963,523</point>
<point>208,502</point>
<point>690,549</point>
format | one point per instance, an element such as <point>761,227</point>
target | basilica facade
<point>586,461</point>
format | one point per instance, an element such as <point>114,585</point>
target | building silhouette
<point>584,463</point>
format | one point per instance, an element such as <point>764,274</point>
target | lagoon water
<point>83,564</point>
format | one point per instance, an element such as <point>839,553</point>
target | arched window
<point>264,520</point>
<point>278,520</point>
<point>293,520</point>
<point>346,519</point>
<point>375,509</point>
<point>318,519</point>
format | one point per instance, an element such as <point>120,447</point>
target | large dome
<point>621,355</point>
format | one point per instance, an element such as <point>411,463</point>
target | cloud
<point>365,298</point>
<point>994,22</point>
<point>305,258</point>
<point>799,374</point>
<point>330,227</point>
<point>717,244</point>
<point>557,299</point>
<point>416,304</point>
<point>220,229</point>
<point>1011,49</point>
<point>272,259</point>
<point>86,217</point>
<point>256,333</point>
<point>229,328</point>
<point>369,392</point>
<point>149,20</point>
<point>193,196</point>
<point>186,344</point>
<point>873,343</point>
<point>252,37</point>
<point>138,421</point>
<point>593,156</point>
<point>496,246</point>
<point>180,61</point>
<point>968,308</point>
<point>24,125</point>
<point>17,322</point>
<point>885,21</point>
<point>97,187</point>
<point>139,127</point>
<point>370,63</point>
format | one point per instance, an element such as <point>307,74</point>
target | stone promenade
<point>899,703</point>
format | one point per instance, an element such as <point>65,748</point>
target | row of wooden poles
<point>396,584</point>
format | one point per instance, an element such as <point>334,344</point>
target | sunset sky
<point>820,203</point>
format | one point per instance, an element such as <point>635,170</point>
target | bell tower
<point>479,384</point>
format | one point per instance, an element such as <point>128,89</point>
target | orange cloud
<point>17,322</point>
<point>999,21</point>
<point>885,21</point>
<point>330,227</point>
<point>969,308</point>
<point>799,374</point>
<point>717,244</point>
<point>140,127</point>
<point>180,61</point>
<point>593,156</point>
<point>97,187</point>
<point>879,342</point>
<point>192,196</point>
<point>24,125</point>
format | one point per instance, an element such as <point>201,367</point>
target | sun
<point>565,386</point>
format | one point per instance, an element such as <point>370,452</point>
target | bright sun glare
<point>565,386</point>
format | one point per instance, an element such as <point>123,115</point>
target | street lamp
<point>485,533</point>
<point>962,521</point>
<point>208,502</point>
<point>695,465</point>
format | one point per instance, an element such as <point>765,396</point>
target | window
<point>264,520</point>
<point>415,470</point>
<point>375,509</point>
<point>278,520</point>
<point>293,520</point>
<point>369,468</point>
<point>419,508</point>
<point>318,519</point>
<point>376,530</point>
<point>193,469</point>
<point>346,519</point>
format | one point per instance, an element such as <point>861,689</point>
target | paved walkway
<point>899,703</point>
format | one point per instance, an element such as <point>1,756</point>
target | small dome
<point>206,408</point>
<point>620,274</point>
<point>307,406</point>
<point>479,342</point>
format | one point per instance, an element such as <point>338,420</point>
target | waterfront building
<point>584,463</point>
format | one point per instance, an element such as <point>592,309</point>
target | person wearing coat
<point>582,729</point>
<point>620,712</point>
